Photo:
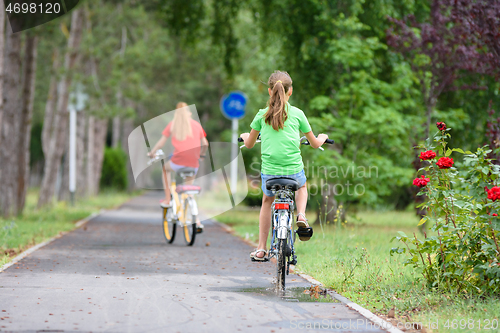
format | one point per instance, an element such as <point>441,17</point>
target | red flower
<point>427,155</point>
<point>445,163</point>
<point>494,193</point>
<point>441,126</point>
<point>421,182</point>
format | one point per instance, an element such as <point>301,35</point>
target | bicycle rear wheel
<point>169,225</point>
<point>189,227</point>
<point>281,264</point>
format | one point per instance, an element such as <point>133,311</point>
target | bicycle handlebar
<point>328,141</point>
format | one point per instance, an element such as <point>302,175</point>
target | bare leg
<point>301,201</point>
<point>264,223</point>
<point>166,181</point>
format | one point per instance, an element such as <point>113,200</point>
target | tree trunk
<point>10,125</point>
<point>90,155</point>
<point>101,129</point>
<point>48,118</point>
<point>2,49</point>
<point>81,186</point>
<point>63,190</point>
<point>28,97</point>
<point>327,210</point>
<point>428,122</point>
<point>330,211</point>
<point>60,124</point>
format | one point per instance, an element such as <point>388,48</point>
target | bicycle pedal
<point>304,232</point>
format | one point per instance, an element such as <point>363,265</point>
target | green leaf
<point>422,221</point>
<point>402,234</point>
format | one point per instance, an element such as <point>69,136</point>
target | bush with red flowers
<point>427,155</point>
<point>461,250</point>
<point>421,182</point>
<point>445,163</point>
<point>494,193</point>
<point>441,126</point>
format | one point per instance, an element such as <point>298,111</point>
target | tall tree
<point>59,126</point>
<point>10,124</point>
<point>482,18</point>
<point>2,48</point>
<point>48,120</point>
<point>28,96</point>
<point>438,53</point>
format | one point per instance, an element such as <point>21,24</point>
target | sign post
<point>233,107</point>
<point>77,103</point>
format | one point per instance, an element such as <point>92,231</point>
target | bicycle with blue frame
<point>282,229</point>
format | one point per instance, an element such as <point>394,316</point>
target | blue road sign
<point>233,105</point>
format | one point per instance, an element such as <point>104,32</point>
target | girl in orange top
<point>190,144</point>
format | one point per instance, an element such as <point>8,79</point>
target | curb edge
<point>27,252</point>
<point>385,325</point>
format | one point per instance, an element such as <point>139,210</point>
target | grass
<point>354,260</point>
<point>38,225</point>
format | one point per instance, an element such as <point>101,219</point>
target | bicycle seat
<point>282,183</point>
<point>186,172</point>
<point>188,189</point>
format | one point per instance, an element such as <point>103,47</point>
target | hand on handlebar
<point>322,137</point>
<point>244,136</point>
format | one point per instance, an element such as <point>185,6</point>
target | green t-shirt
<point>281,149</point>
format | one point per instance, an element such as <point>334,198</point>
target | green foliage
<point>114,169</point>
<point>368,117</point>
<point>463,253</point>
<point>346,79</point>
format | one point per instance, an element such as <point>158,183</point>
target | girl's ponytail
<point>279,83</point>
<point>181,124</point>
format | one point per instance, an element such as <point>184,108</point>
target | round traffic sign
<point>233,105</point>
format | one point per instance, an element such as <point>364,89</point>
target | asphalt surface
<point>117,274</point>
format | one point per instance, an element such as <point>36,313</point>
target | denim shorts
<point>300,177</point>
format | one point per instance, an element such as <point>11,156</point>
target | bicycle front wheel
<point>281,264</point>
<point>169,225</point>
<point>189,225</point>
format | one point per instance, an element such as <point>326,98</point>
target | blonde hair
<point>279,83</point>
<point>181,125</point>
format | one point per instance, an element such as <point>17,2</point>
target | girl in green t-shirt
<point>280,125</point>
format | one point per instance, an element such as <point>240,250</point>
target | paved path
<point>117,274</point>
